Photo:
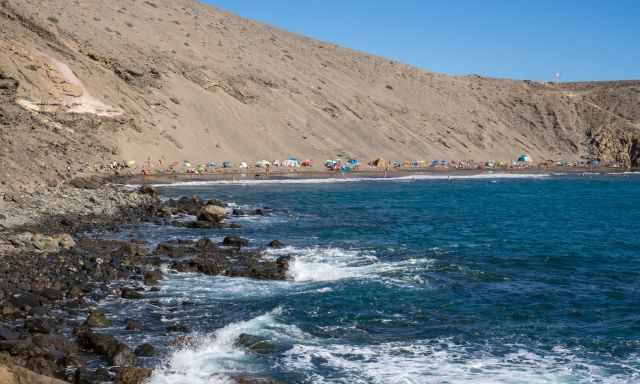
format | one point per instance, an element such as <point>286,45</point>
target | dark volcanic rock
<point>8,334</point>
<point>181,328</point>
<point>145,350</point>
<point>26,300</point>
<point>234,241</point>
<point>148,190</point>
<point>276,244</point>
<point>132,375</point>
<point>152,277</point>
<point>116,352</point>
<point>97,319</point>
<point>131,294</point>
<point>255,344</point>
<point>41,325</point>
<point>133,325</point>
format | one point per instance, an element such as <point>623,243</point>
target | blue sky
<point>581,39</point>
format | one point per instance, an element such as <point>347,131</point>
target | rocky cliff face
<point>170,80</point>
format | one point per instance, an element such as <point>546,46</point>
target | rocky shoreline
<point>55,268</point>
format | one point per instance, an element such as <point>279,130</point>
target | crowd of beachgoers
<point>292,164</point>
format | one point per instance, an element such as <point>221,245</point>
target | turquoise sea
<point>478,280</point>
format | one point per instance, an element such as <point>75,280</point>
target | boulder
<point>40,325</point>
<point>211,213</point>
<point>235,241</point>
<point>26,300</point>
<point>178,328</point>
<point>145,350</point>
<point>255,344</point>
<point>131,294</point>
<point>7,334</point>
<point>97,319</point>
<point>133,325</point>
<point>275,244</point>
<point>10,374</point>
<point>132,375</point>
<point>65,241</point>
<point>148,190</point>
<point>45,243</point>
<point>152,277</point>
<point>117,353</point>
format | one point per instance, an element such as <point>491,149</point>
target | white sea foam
<point>318,264</point>
<point>443,361</point>
<point>329,180</point>
<point>214,358</point>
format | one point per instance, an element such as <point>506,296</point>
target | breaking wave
<point>443,361</point>
<point>215,359</point>
<point>348,179</point>
<point>318,264</point>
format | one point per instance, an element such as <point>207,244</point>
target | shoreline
<point>311,174</point>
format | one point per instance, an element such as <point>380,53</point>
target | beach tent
<point>524,158</point>
<point>227,164</point>
<point>131,163</point>
<point>291,163</point>
<point>262,163</point>
<point>330,164</point>
<point>243,165</point>
<point>307,163</point>
<point>434,163</point>
<point>397,163</point>
<point>276,163</point>
<point>379,162</point>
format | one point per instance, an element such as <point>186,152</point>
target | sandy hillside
<point>176,80</point>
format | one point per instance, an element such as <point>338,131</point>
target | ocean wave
<point>214,358</point>
<point>329,180</point>
<point>318,264</point>
<point>442,361</point>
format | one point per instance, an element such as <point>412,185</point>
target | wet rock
<point>40,325</point>
<point>211,214</point>
<point>152,277</point>
<point>133,325</point>
<point>86,376</point>
<point>148,190</point>
<point>145,350</point>
<point>26,300</point>
<point>235,241</point>
<point>51,294</point>
<point>276,244</point>
<point>182,342</point>
<point>255,344</point>
<point>8,334</point>
<point>238,212</point>
<point>117,353</point>
<point>97,319</point>
<point>131,294</point>
<point>132,375</point>
<point>178,328</point>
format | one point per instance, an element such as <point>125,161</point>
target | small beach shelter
<point>524,158</point>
